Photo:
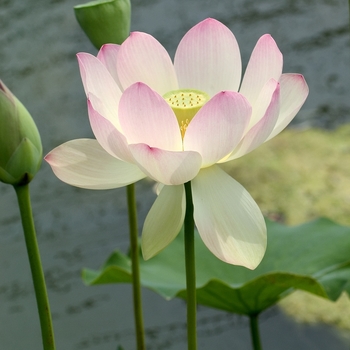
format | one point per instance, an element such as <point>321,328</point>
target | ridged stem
<point>190,271</point>
<point>23,197</point>
<point>254,331</point>
<point>134,254</point>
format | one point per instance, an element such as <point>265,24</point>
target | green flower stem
<point>190,271</point>
<point>134,253</point>
<point>42,300</point>
<point>254,331</point>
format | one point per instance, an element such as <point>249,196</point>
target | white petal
<point>208,58</point>
<point>99,82</point>
<point>142,58</point>
<point>265,63</point>
<point>84,163</point>
<point>107,135</point>
<point>167,167</point>
<point>108,56</point>
<point>263,101</point>
<point>294,91</point>
<point>259,133</point>
<point>228,219</point>
<point>145,117</point>
<point>218,126</point>
<point>164,220</point>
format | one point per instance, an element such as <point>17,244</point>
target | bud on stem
<point>20,144</point>
<point>105,21</point>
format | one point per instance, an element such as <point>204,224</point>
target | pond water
<point>79,228</point>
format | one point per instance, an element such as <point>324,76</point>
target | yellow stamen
<point>187,104</point>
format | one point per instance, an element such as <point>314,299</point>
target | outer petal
<point>228,220</point>
<point>208,58</point>
<point>145,117</point>
<point>218,126</point>
<point>164,220</point>
<point>263,128</point>
<point>108,56</point>
<point>142,58</point>
<point>167,167</point>
<point>263,102</point>
<point>99,82</point>
<point>107,135</point>
<point>294,91</point>
<point>84,163</point>
<point>265,63</point>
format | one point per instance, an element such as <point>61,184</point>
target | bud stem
<point>23,198</point>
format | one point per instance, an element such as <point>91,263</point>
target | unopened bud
<point>105,21</point>
<point>20,144</point>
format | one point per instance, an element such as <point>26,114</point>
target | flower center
<point>185,104</point>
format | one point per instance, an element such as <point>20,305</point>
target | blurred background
<point>79,228</point>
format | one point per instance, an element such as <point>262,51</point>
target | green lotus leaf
<point>313,257</point>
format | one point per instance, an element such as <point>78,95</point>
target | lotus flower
<point>173,122</point>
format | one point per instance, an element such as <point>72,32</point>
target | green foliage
<point>299,175</point>
<point>313,257</point>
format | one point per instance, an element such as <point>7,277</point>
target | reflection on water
<point>76,228</point>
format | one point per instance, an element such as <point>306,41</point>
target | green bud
<point>20,144</point>
<point>105,21</point>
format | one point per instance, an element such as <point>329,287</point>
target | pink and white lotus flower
<point>173,122</point>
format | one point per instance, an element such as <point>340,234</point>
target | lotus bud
<point>20,144</point>
<point>105,21</point>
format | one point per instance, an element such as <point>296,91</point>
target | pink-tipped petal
<point>294,91</point>
<point>145,117</point>
<point>108,135</point>
<point>228,219</point>
<point>108,56</point>
<point>265,62</point>
<point>208,58</point>
<point>166,167</point>
<point>163,221</point>
<point>142,58</point>
<point>84,163</point>
<point>103,110</point>
<point>218,126</point>
<point>268,107</point>
<point>263,101</point>
<point>99,82</point>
